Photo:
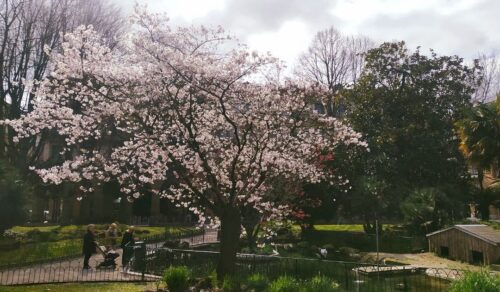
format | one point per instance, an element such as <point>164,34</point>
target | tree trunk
<point>229,239</point>
<point>67,204</point>
<point>480,177</point>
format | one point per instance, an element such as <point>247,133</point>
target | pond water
<point>202,263</point>
<point>413,283</point>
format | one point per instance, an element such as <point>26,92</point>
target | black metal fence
<point>151,259</point>
<point>46,252</point>
<point>70,268</point>
<point>350,276</point>
<point>186,238</point>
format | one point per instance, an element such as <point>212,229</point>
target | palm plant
<point>479,134</point>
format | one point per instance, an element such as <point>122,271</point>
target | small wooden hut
<point>474,243</point>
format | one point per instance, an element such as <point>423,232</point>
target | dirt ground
<point>421,260</point>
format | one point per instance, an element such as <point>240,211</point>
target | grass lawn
<point>343,227</point>
<point>353,235</point>
<point>49,242</point>
<point>25,229</point>
<point>41,251</point>
<point>77,287</point>
<point>340,227</point>
<point>58,233</point>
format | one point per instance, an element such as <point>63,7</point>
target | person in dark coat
<point>127,246</point>
<point>89,245</point>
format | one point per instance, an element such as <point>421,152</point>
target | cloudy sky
<point>286,27</point>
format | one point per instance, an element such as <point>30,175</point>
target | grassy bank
<point>78,287</point>
<point>41,251</point>
<point>29,234</point>
<point>52,242</point>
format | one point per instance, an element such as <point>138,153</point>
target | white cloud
<point>287,42</point>
<point>189,10</point>
<point>285,27</point>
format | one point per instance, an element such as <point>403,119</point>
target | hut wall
<point>461,245</point>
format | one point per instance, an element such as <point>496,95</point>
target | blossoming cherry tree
<point>188,101</point>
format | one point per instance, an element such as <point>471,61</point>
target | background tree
<point>479,133</point>
<point>335,61</point>
<point>370,201</point>
<point>428,209</point>
<point>27,29</point>
<point>406,105</point>
<point>177,99</point>
<point>489,87</point>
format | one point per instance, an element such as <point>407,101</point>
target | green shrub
<point>265,250</point>
<point>14,194</point>
<point>257,282</point>
<point>481,281</point>
<point>284,284</point>
<point>321,284</point>
<point>176,278</point>
<point>36,235</point>
<point>172,243</point>
<point>329,247</point>
<point>347,251</point>
<point>213,279</point>
<point>7,244</point>
<point>231,283</point>
<point>19,236</point>
<point>246,250</point>
<point>303,244</point>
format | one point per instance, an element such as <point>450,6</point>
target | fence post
<point>140,257</point>
<point>346,276</point>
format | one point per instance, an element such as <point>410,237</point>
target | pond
<point>203,263</point>
<point>414,283</point>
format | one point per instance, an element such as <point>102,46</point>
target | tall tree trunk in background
<point>2,128</point>
<point>480,177</point>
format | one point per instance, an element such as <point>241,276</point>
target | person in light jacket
<point>111,236</point>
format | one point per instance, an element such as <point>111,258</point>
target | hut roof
<point>481,231</point>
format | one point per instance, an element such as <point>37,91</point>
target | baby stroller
<point>109,258</point>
